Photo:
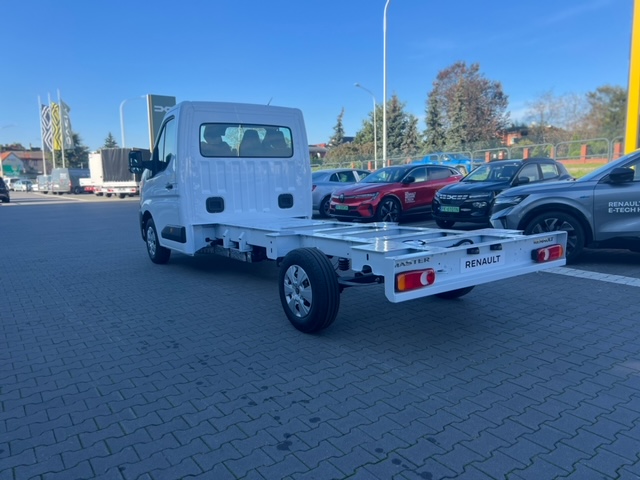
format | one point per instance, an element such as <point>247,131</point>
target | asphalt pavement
<point>113,367</point>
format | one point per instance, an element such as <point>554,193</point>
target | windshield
<point>385,175</point>
<point>496,172</point>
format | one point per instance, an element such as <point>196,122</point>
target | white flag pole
<point>53,136</point>
<point>61,129</point>
<point>44,152</point>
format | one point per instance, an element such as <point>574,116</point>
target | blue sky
<point>297,53</point>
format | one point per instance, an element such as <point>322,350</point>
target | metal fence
<point>591,150</point>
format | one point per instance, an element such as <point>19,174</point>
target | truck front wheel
<point>309,290</point>
<point>157,253</point>
<point>555,221</point>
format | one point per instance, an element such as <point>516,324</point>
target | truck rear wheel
<point>157,253</point>
<point>309,290</point>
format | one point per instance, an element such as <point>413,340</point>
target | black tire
<point>77,190</point>
<point>445,223</point>
<point>108,195</point>
<point>324,207</point>
<point>451,294</point>
<point>389,210</point>
<point>309,290</point>
<point>122,195</point>
<point>556,221</point>
<point>157,253</point>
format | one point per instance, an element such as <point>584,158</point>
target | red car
<point>392,192</point>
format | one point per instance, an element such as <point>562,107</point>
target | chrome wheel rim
<point>151,242</point>
<point>297,291</point>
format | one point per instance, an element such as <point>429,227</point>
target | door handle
<point>169,186</point>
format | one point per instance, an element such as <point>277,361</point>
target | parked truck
<point>110,175</point>
<point>251,201</point>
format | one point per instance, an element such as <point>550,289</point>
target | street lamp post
<point>375,126</point>
<point>122,116</point>
<point>384,86</point>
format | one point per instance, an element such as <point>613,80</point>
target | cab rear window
<point>233,140</point>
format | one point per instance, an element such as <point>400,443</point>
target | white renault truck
<point>235,180</point>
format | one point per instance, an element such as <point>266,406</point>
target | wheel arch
<point>559,207</point>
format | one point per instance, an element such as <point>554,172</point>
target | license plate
<point>444,208</point>
<point>342,207</point>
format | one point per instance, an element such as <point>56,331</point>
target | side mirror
<point>408,180</point>
<point>621,175</point>
<point>522,180</point>
<point>137,162</point>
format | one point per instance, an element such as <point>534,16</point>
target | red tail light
<point>548,254</point>
<point>415,279</point>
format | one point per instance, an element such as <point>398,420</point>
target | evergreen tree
<point>110,142</point>
<point>411,144</point>
<point>338,131</point>
<point>435,135</point>
<point>79,156</point>
<point>458,131</point>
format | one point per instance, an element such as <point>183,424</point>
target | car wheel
<point>309,290</point>
<point>445,223</point>
<point>451,294</point>
<point>324,207</point>
<point>157,253</point>
<point>389,210</point>
<point>556,221</point>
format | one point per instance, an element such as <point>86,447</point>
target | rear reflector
<point>547,254</point>
<point>415,279</point>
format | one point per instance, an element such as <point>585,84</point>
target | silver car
<point>326,181</point>
<point>601,209</point>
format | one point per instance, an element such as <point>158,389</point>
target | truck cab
<point>193,181</point>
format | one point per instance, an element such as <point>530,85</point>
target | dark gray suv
<point>4,192</point>
<point>601,209</point>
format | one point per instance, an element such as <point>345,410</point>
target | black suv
<point>4,192</point>
<point>471,199</point>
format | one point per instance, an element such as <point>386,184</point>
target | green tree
<point>607,111</point>
<point>110,142</point>
<point>411,143</point>
<point>338,131</point>
<point>471,108</point>
<point>78,157</point>
<point>435,134</point>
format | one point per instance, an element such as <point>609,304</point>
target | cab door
<point>162,190</point>
<point>617,206</point>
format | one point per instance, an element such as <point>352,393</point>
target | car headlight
<point>503,201</point>
<point>366,196</point>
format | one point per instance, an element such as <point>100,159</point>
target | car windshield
<point>385,175</point>
<point>493,172</point>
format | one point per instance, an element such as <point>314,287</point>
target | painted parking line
<point>602,277</point>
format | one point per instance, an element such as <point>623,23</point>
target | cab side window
<point>165,149</point>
